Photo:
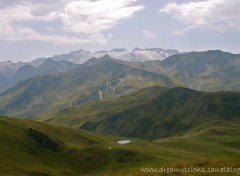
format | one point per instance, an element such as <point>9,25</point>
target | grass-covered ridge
<point>32,148</point>
<point>80,152</point>
<point>151,113</point>
<point>75,116</point>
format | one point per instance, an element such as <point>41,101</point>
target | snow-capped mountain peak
<point>136,55</point>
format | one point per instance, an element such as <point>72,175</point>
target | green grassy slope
<point>31,148</point>
<point>172,113</point>
<point>77,115</point>
<point>151,113</point>
<point>200,142</point>
<point>51,93</point>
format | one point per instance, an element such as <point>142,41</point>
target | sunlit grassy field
<point>81,152</point>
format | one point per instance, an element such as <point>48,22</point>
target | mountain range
<point>136,55</point>
<point>55,85</point>
<point>99,81</point>
<point>119,112</point>
<point>9,69</point>
<point>11,73</point>
<point>25,71</point>
<point>212,70</point>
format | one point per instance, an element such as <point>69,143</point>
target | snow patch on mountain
<point>136,55</point>
<point>9,68</point>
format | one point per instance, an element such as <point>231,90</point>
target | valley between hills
<point>61,117</point>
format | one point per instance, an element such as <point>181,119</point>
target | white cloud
<point>83,18</point>
<point>214,14</point>
<point>96,16</point>
<point>110,36</point>
<point>149,34</point>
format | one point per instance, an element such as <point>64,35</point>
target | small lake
<point>124,142</point>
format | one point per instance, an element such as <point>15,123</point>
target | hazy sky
<point>30,29</point>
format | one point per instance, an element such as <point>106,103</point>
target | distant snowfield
<point>124,142</point>
<point>136,55</point>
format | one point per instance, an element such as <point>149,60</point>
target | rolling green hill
<point>77,115</point>
<point>151,113</point>
<point>31,148</point>
<point>36,149</point>
<point>100,81</point>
